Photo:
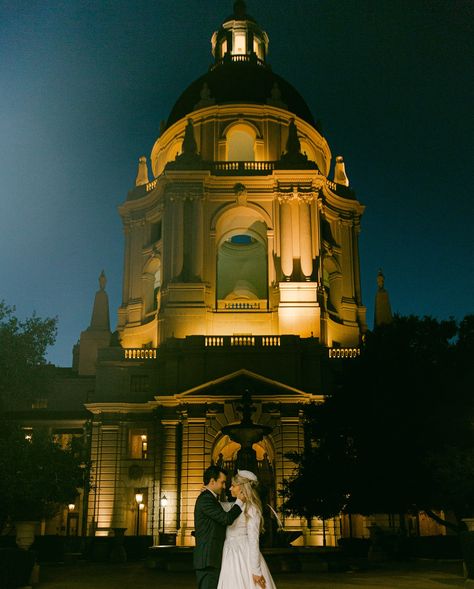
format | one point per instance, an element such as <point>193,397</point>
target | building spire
<point>142,174</point>
<point>240,10</point>
<point>100,313</point>
<point>340,176</point>
<point>189,141</point>
<point>383,311</point>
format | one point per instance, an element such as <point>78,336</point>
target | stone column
<point>192,466</point>
<point>105,504</point>
<point>197,240</point>
<point>355,247</point>
<point>347,259</point>
<point>286,239</point>
<point>177,237</point>
<point>306,256</point>
<point>169,479</point>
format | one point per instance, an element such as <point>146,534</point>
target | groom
<point>210,522</point>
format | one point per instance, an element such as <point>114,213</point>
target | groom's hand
<point>259,580</point>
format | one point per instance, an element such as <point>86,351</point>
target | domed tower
<point>241,232</point>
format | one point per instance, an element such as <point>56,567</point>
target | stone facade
<point>241,274</point>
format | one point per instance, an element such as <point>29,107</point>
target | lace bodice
<point>246,529</point>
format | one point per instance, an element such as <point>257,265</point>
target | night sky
<point>85,84</point>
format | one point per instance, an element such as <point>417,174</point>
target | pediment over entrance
<point>233,385</point>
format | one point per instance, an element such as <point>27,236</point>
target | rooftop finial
<point>240,10</point>
<point>142,174</point>
<point>340,176</point>
<point>102,280</point>
<point>189,142</point>
<point>383,309</point>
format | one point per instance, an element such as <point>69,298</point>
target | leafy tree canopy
<point>23,345</point>
<point>397,428</point>
<point>38,475</point>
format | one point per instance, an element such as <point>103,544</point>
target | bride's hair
<point>252,498</point>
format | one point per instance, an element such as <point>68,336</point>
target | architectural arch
<point>242,258</point>
<point>332,279</point>
<point>241,141</point>
<point>151,284</point>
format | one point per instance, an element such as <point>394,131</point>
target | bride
<point>243,566</point>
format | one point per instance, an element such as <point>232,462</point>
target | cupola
<point>240,39</point>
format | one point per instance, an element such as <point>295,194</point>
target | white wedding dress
<point>241,557</point>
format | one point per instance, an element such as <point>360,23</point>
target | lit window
<point>240,146</point>
<point>223,47</point>
<point>257,48</point>
<point>139,444</point>
<point>242,240</point>
<point>63,440</point>
<point>239,43</point>
<point>39,404</point>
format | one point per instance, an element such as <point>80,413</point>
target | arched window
<point>241,144</point>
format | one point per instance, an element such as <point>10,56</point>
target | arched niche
<point>240,142</point>
<point>332,279</point>
<point>151,281</point>
<point>242,258</point>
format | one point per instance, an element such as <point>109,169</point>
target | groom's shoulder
<point>204,496</point>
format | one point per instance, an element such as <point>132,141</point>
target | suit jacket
<point>210,523</point>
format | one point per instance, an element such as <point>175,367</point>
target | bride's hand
<point>259,580</point>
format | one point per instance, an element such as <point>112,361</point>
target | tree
<point>23,345</point>
<point>394,421</point>
<point>38,475</point>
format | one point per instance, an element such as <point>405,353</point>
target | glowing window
<point>239,43</point>
<point>139,444</point>
<point>257,48</point>
<point>240,145</point>
<point>223,47</point>
<point>242,239</point>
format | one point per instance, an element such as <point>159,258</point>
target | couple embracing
<point>227,553</point>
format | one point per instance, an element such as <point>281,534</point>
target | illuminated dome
<point>240,73</point>
<point>237,82</point>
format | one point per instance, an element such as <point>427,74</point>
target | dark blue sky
<point>85,84</point>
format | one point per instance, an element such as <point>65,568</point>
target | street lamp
<point>139,500</point>
<point>163,503</point>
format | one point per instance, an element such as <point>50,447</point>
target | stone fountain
<point>246,433</point>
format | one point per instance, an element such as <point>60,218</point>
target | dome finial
<point>240,10</point>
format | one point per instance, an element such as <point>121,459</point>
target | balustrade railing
<point>242,58</point>
<point>343,353</point>
<point>242,168</point>
<point>140,353</point>
<point>222,341</point>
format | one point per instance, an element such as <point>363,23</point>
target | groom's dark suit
<point>210,522</point>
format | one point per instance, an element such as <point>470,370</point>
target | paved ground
<point>83,575</point>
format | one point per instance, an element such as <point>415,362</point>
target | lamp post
<point>164,503</point>
<point>139,500</point>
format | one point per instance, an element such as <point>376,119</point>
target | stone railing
<point>240,58</point>
<point>140,353</point>
<point>343,353</point>
<point>241,168</point>
<point>222,341</point>
<point>256,305</point>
